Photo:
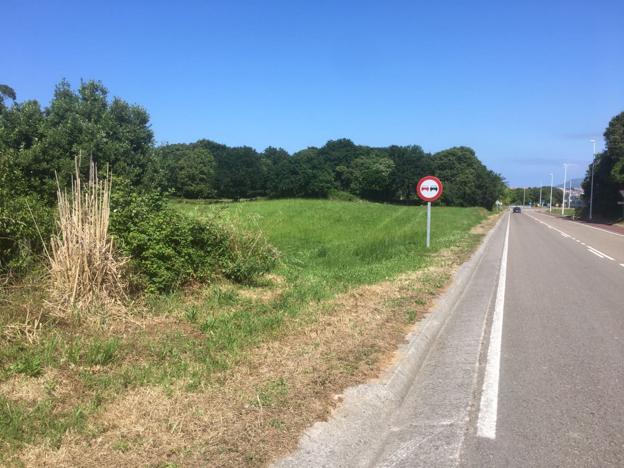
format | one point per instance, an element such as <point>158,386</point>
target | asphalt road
<point>526,368</point>
<point>561,380</point>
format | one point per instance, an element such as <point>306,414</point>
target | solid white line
<point>488,409</point>
<point>599,252</point>
<point>622,265</point>
<point>595,253</point>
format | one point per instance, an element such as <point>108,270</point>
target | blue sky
<point>524,83</point>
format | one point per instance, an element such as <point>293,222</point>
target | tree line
<point>531,196</point>
<point>206,169</point>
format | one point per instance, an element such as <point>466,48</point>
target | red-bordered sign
<point>429,188</point>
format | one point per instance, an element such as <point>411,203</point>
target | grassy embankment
<point>226,374</point>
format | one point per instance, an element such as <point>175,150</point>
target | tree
<point>410,164</point>
<point>43,143</point>
<point>189,170</point>
<point>608,172</point>
<point>467,182</point>
<point>6,92</point>
<point>371,176</point>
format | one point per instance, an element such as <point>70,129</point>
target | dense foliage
<point>380,174</point>
<point>38,145</point>
<point>168,249</point>
<point>608,172</point>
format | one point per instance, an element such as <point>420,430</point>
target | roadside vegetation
<point>138,328</point>
<point>71,384</point>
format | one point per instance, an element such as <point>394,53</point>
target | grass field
<point>225,373</point>
<point>328,246</point>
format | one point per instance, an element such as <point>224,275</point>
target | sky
<point>526,84</point>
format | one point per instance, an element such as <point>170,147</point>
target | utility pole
<point>591,187</point>
<point>524,197</point>
<point>565,176</point>
<point>552,176</point>
<point>540,202</point>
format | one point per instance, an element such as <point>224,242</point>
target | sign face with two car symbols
<point>429,188</point>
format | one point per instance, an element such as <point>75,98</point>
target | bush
<point>168,249</point>
<point>24,221</point>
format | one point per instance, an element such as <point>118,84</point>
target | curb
<point>419,345</point>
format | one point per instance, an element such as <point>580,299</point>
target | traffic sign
<point>429,188</point>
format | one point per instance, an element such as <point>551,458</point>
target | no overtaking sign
<point>429,189</point>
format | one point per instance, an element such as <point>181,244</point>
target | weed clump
<point>84,268</point>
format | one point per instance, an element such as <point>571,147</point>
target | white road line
<point>488,409</point>
<point>599,252</point>
<point>595,253</point>
<point>622,265</point>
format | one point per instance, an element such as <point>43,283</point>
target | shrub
<point>247,256</point>
<point>24,222</point>
<point>168,249</point>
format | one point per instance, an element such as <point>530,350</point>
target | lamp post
<point>524,197</point>
<point>540,202</point>
<point>552,176</point>
<point>591,187</point>
<point>565,176</point>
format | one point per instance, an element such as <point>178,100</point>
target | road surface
<point>528,369</point>
<point>561,382</point>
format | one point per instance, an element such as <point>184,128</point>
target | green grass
<point>328,246</point>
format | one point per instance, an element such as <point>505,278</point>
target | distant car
<point>516,209</point>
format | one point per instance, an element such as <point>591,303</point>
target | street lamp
<point>540,202</point>
<point>591,187</point>
<point>565,175</point>
<point>524,197</point>
<point>551,184</point>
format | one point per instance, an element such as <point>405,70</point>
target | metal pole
<point>591,187</point>
<point>428,223</point>
<point>551,184</point>
<point>540,203</point>
<point>524,197</point>
<point>565,176</point>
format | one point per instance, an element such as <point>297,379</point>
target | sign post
<point>429,189</point>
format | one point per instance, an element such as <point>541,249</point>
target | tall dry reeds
<point>84,269</point>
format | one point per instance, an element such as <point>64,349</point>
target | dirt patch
<point>256,412</point>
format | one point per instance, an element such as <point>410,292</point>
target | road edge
<point>367,406</point>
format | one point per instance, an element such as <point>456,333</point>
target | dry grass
<point>84,269</point>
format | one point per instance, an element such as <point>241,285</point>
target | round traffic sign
<point>429,188</point>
